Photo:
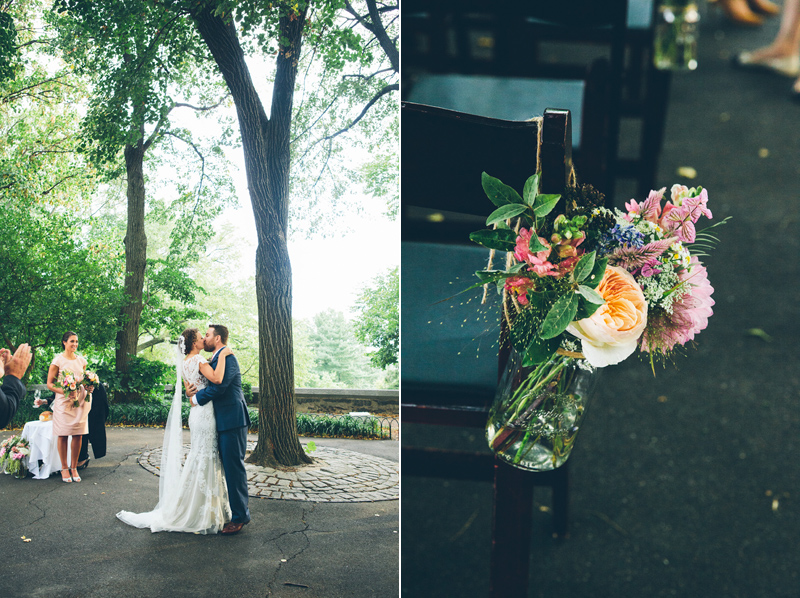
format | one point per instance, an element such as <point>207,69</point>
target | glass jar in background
<point>676,31</point>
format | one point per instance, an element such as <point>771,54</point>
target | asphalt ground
<point>687,483</point>
<point>79,549</point>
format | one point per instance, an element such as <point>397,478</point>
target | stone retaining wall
<point>326,400</point>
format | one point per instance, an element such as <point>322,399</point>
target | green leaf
<point>585,309</point>
<point>501,239</point>
<point>560,315</point>
<point>498,192</point>
<point>584,267</point>
<point>535,245</point>
<point>492,275</point>
<point>590,295</point>
<point>531,190</point>
<point>539,350</point>
<point>544,204</point>
<point>518,267</point>
<point>503,213</point>
<point>597,274</point>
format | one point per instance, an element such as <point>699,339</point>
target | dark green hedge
<point>154,413</point>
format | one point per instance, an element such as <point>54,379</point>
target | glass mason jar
<point>675,41</point>
<point>538,411</point>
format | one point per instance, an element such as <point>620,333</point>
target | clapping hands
<point>17,364</point>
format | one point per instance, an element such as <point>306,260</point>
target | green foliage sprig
<point>553,303</point>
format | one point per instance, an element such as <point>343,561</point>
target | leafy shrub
<point>145,378</point>
<point>247,389</point>
<point>155,412</point>
<point>337,426</point>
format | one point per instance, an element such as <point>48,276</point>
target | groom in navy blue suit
<point>233,421</point>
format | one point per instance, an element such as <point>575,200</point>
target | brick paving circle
<point>337,475</point>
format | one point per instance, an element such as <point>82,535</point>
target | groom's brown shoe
<point>232,528</point>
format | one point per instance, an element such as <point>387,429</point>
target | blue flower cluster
<point>620,236</point>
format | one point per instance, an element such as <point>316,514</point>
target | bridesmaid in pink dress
<point>68,420</point>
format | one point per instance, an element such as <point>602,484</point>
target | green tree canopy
<point>378,321</point>
<point>53,281</point>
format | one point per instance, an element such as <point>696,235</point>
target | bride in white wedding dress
<point>194,497</point>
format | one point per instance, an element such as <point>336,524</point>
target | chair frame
<point>513,488</point>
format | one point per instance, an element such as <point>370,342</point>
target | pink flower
<point>519,285</point>
<point>650,269</point>
<point>677,193</point>
<point>651,207</point>
<point>689,315</point>
<point>698,206</point>
<point>537,261</point>
<point>678,221</point>
<point>634,209</point>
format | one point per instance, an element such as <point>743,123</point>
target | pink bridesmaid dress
<point>69,420</point>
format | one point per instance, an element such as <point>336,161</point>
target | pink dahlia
<point>689,314</point>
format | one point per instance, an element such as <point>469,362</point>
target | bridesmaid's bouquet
<point>68,383</point>
<point>90,379</point>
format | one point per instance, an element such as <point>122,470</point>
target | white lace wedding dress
<point>198,501</point>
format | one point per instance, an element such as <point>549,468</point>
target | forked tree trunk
<point>266,154</point>
<point>135,264</point>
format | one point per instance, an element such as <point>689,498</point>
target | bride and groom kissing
<point>208,493</point>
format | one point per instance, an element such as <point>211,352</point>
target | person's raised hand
<point>18,364</point>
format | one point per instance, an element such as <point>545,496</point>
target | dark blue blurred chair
<point>482,57</point>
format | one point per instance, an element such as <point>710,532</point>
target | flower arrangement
<point>90,379</point>
<point>585,288</point>
<point>12,452</point>
<point>67,382</point>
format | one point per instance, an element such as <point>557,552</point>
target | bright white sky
<point>327,273</point>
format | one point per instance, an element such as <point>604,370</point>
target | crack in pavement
<point>303,532</point>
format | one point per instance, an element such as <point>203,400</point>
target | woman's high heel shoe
<point>739,12</point>
<point>67,479</point>
<point>75,476</point>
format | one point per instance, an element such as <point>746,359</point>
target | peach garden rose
<point>610,335</point>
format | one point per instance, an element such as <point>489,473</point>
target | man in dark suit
<point>230,411</point>
<point>13,390</point>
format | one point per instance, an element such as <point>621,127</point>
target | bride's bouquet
<point>90,379</point>
<point>585,288</point>
<point>67,382</point>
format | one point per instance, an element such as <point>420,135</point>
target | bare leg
<point>787,42</point>
<point>75,448</point>
<point>73,458</point>
<point>62,455</point>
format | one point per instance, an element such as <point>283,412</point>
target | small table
<point>40,436</point>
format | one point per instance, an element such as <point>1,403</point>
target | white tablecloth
<point>43,448</point>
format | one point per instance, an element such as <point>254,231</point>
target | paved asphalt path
<point>79,549</point>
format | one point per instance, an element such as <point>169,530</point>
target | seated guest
<point>12,369</point>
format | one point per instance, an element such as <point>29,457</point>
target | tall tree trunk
<point>266,154</point>
<point>135,263</point>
